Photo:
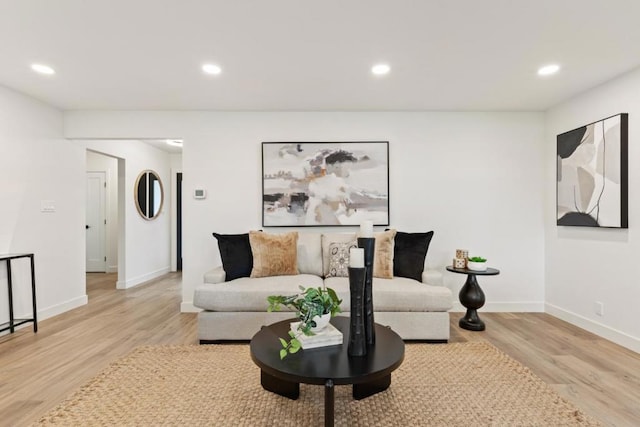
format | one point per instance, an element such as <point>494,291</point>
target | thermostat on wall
<point>199,194</point>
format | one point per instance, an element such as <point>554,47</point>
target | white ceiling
<point>447,55</point>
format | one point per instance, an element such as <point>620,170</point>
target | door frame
<point>179,221</point>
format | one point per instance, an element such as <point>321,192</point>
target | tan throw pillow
<point>383,259</point>
<point>339,258</point>
<point>274,254</point>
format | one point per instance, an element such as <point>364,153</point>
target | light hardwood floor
<point>38,370</point>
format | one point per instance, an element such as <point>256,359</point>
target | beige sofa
<point>236,310</point>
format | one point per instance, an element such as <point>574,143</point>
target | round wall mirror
<point>149,194</point>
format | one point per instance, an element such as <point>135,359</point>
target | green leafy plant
<point>309,303</point>
<point>291,346</point>
<point>477,259</point>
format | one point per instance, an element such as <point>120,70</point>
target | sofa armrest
<point>217,275</point>
<point>432,277</point>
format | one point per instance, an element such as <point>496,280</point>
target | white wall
<point>144,255</point>
<point>586,265</point>
<point>477,179</point>
<point>37,164</point>
<point>97,162</point>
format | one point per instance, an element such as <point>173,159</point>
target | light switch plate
<point>47,206</point>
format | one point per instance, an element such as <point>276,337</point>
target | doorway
<point>96,223</point>
<point>102,212</point>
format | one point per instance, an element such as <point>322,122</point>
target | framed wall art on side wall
<point>325,183</point>
<point>592,174</point>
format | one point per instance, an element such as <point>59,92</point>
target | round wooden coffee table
<point>327,366</point>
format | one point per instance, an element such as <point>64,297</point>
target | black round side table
<point>472,297</point>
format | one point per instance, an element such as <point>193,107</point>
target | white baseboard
<point>54,310</point>
<point>135,281</point>
<point>112,269</point>
<point>188,307</point>
<point>503,307</point>
<point>618,337</point>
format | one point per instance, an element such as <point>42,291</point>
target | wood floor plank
<point>37,371</point>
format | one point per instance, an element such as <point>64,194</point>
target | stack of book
<point>329,335</point>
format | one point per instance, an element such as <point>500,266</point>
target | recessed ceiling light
<point>211,69</point>
<point>548,70</point>
<point>42,69</point>
<point>174,142</point>
<point>380,69</point>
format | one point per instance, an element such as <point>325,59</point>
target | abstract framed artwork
<point>306,184</point>
<point>592,174</point>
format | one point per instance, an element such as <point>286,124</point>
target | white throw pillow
<point>310,253</point>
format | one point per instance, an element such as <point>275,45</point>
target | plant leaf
<point>283,342</point>
<point>283,353</point>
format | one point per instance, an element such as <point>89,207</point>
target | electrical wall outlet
<point>599,308</point>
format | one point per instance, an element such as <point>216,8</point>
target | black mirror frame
<point>145,173</point>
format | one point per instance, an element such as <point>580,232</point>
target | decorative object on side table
<point>357,273</point>
<point>310,305</point>
<point>460,261</point>
<point>477,263</point>
<point>367,242</point>
<point>472,297</point>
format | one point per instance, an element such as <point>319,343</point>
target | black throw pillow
<point>235,251</point>
<point>410,251</point>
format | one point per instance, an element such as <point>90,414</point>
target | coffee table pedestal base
<point>280,387</point>
<point>362,391</point>
<point>292,391</point>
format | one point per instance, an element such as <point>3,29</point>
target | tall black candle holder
<point>357,337</point>
<point>369,245</point>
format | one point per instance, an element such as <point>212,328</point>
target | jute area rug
<point>460,384</point>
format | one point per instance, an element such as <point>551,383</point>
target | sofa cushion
<point>235,252</point>
<point>274,254</point>
<point>339,258</point>
<point>248,294</point>
<point>383,258</point>
<point>397,294</point>
<point>410,251</point>
<point>327,239</point>
<point>310,253</point>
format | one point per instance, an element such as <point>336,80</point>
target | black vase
<point>357,339</point>
<point>369,245</point>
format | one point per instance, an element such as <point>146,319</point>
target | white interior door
<point>96,222</point>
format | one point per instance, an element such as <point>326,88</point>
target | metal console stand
<point>13,322</point>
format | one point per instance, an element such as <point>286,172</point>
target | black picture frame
<point>592,174</point>
<point>320,184</point>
